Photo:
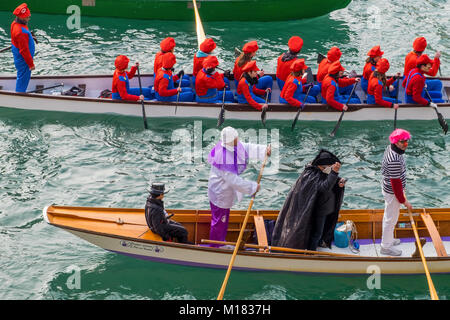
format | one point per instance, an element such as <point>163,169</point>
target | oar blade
<point>221,118</point>
<point>263,116</point>
<point>442,122</point>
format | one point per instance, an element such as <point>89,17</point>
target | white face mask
<point>327,170</point>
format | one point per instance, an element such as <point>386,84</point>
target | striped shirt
<point>392,167</point>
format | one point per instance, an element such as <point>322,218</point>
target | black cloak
<point>294,224</point>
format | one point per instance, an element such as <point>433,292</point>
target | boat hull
<point>124,231</point>
<point>154,109</point>
<point>210,10</point>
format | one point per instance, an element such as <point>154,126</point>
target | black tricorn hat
<point>325,157</point>
<point>158,189</point>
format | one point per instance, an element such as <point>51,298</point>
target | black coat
<point>294,223</point>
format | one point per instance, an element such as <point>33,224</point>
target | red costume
<point>244,87</point>
<point>205,81</point>
<point>249,47</point>
<point>120,84</point>
<point>419,46</point>
<point>166,45</point>
<point>295,44</point>
<point>329,85</point>
<point>293,84</point>
<point>162,80</point>
<point>376,86</point>
<point>205,47</point>
<point>334,54</point>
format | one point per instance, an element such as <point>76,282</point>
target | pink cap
<point>399,134</point>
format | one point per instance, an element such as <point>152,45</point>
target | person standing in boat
<point>157,218</point>
<point>229,159</point>
<point>292,92</point>
<point>311,210</point>
<point>434,85</point>
<point>168,45</point>
<point>22,46</point>
<point>121,85</point>
<point>393,169</point>
<point>331,84</point>
<point>247,91</point>
<point>248,52</point>
<point>209,81</point>
<point>377,82</point>
<point>164,85</point>
<point>375,54</point>
<point>415,83</point>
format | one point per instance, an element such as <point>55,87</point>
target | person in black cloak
<point>158,219</point>
<point>310,212</point>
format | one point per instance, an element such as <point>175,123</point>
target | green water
<point>107,160</point>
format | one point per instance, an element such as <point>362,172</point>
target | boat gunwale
<point>232,107</point>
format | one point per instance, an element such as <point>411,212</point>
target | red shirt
<point>411,63</point>
<point>375,88</point>
<point>329,87</point>
<point>415,86</point>
<point>20,40</point>
<point>368,70</point>
<point>119,84</point>
<point>243,88</point>
<point>158,62</point>
<point>289,90</point>
<point>323,70</point>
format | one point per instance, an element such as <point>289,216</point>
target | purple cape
<point>226,160</point>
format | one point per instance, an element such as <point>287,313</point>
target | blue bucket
<point>341,238</point>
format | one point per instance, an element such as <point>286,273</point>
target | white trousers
<point>390,218</point>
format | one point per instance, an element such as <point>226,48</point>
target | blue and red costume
<point>164,84</point>
<point>247,92</point>
<point>414,84</point>
<point>292,92</point>
<point>23,48</point>
<point>208,83</point>
<point>375,87</point>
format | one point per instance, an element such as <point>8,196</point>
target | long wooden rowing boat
<point>211,10</point>
<point>124,231</point>
<point>94,85</point>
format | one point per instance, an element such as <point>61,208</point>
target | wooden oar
<point>43,89</point>
<point>309,80</point>
<point>282,249</point>
<point>221,118</point>
<point>320,57</point>
<point>142,102</point>
<point>199,27</point>
<point>241,233</point>
<point>433,292</point>
<point>342,114</point>
<point>178,94</point>
<point>5,49</point>
<point>441,118</point>
<point>396,98</point>
<point>264,111</point>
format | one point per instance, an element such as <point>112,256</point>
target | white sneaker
<point>391,251</point>
<point>396,242</point>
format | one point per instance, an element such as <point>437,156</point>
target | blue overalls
<point>343,98</point>
<point>371,98</point>
<point>436,96</point>
<point>299,95</point>
<point>147,92</point>
<point>23,70</point>
<point>241,98</point>
<point>186,93</point>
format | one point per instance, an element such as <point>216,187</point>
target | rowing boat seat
<point>261,231</point>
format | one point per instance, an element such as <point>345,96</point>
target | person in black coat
<point>309,214</point>
<point>157,218</point>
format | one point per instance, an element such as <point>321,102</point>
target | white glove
<point>305,75</point>
<point>433,105</point>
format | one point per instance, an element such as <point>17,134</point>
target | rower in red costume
<point>22,47</point>
<point>209,81</point>
<point>414,84</point>
<point>334,54</point>
<point>164,85</point>
<point>247,92</point>
<point>292,92</point>
<point>121,85</point>
<point>331,84</point>
<point>248,52</point>
<point>168,45</point>
<point>375,54</point>
<point>434,86</point>
<point>377,82</point>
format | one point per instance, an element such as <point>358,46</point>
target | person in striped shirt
<point>393,186</point>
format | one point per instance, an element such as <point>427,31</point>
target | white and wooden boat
<point>95,84</point>
<point>124,231</point>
